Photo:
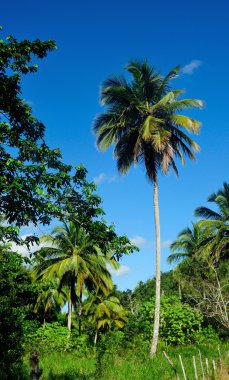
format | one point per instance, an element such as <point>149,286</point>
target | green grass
<point>137,368</point>
<point>132,366</point>
<point>66,366</point>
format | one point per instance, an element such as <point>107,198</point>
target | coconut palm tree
<point>50,297</point>
<point>141,120</point>
<point>104,311</point>
<point>217,223</point>
<point>188,243</point>
<point>75,259</point>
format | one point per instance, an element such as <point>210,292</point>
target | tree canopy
<point>35,184</point>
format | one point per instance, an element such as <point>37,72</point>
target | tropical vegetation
<point>59,300</point>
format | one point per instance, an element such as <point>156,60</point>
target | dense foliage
<point>16,300</point>
<point>35,185</point>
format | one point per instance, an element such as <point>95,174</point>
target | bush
<point>180,324</point>
<point>14,293</point>
<point>207,335</point>
<point>52,337</point>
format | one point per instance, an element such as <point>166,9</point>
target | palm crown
<point>187,244</point>
<point>74,258</point>
<point>73,253</point>
<point>217,223</point>
<point>142,120</point>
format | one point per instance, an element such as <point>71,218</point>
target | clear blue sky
<point>96,39</point>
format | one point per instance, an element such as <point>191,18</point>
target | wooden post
<point>207,368</point>
<point>172,365</point>
<point>35,371</point>
<point>214,368</point>
<point>201,365</point>
<point>195,369</point>
<point>182,366</point>
<point>220,359</point>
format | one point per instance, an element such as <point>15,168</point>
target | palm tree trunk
<point>96,337</point>
<point>70,312</point>
<point>80,313</point>
<point>179,289</point>
<point>153,349</point>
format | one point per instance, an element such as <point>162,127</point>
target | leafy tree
<point>16,293</point>
<point>205,287</point>
<point>141,119</point>
<point>35,185</point>
<point>217,224</point>
<point>145,291</point>
<point>74,258</point>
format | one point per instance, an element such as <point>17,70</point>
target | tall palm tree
<point>104,311</point>
<point>141,120</point>
<point>217,223</point>
<point>74,258</point>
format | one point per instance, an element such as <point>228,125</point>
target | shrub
<point>180,324</point>
<point>14,293</point>
<point>52,337</point>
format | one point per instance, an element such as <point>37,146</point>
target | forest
<point>58,302</point>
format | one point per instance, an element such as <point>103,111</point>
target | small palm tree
<point>74,258</point>
<point>217,223</point>
<point>50,296</point>
<point>142,121</point>
<point>104,311</point>
<point>188,243</point>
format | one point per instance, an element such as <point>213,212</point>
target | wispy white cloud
<point>103,177</point>
<point>190,67</point>
<point>23,249</point>
<point>138,240</point>
<point>121,271</point>
<point>166,243</point>
<point>26,251</point>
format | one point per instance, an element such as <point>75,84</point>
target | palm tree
<point>50,296</point>
<point>74,258</point>
<point>217,223</point>
<point>141,120</point>
<point>104,311</point>
<point>187,244</point>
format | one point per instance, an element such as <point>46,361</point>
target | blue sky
<point>96,39</point>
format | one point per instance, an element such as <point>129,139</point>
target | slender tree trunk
<point>80,313</point>
<point>70,312</point>
<point>179,289</point>
<point>96,337</point>
<point>153,349</point>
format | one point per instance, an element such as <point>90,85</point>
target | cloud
<point>24,250</point>
<point>103,177</point>
<point>190,67</point>
<point>138,240</point>
<point>166,243</point>
<point>121,271</point>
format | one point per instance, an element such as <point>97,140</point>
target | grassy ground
<point>67,366</point>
